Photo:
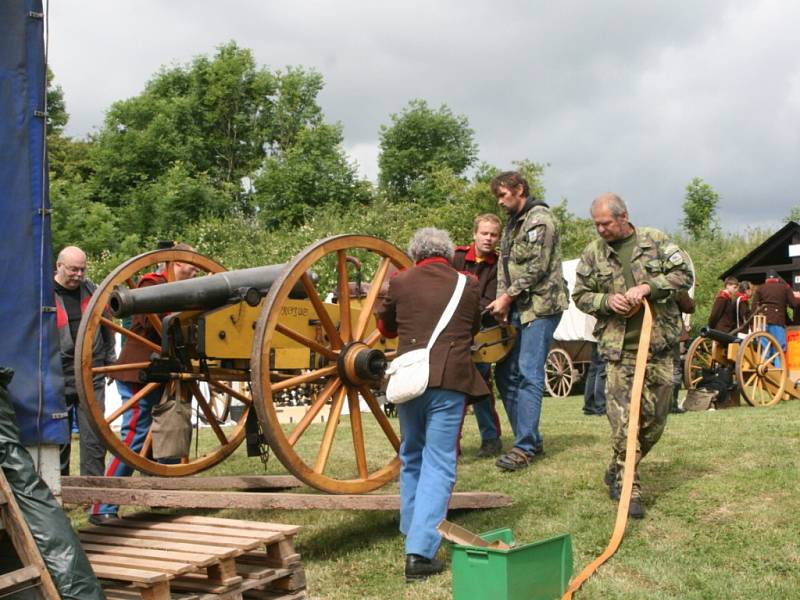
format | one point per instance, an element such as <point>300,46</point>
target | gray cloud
<point>634,97</point>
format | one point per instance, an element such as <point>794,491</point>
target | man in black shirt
<point>73,291</point>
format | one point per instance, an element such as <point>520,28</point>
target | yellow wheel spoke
<point>204,406</point>
<point>307,342</point>
<point>130,335</point>
<point>319,308</point>
<point>304,378</point>
<point>358,433</point>
<point>131,401</point>
<point>330,431</point>
<point>314,410</point>
<point>381,418</point>
<point>232,392</point>
<point>343,289</point>
<point>369,302</point>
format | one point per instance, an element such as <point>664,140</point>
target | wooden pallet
<point>170,557</point>
<point>33,574</point>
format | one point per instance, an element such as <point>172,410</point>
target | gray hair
<point>616,205</point>
<point>428,242</point>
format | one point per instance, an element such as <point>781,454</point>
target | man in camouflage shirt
<point>614,276</point>
<point>531,295</point>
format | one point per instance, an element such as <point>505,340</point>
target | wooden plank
<point>244,482</point>
<point>22,539</point>
<point>253,571</point>
<point>131,575</point>
<point>168,537</point>
<point>196,559</point>
<point>251,500</point>
<point>270,595</point>
<point>19,579</point>
<point>249,534</point>
<point>198,520</point>
<point>150,564</point>
<point>224,572</point>
<point>156,543</point>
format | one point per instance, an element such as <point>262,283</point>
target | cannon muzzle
<point>200,293</point>
<point>717,335</point>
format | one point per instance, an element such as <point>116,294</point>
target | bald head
<point>610,216</point>
<point>71,267</point>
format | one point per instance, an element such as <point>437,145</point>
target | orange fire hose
<point>630,457</point>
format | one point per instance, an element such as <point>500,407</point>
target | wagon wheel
<point>761,369</point>
<point>559,373</point>
<point>97,313</point>
<point>699,358</point>
<point>341,463</point>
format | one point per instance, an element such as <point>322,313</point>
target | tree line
<point>239,161</point>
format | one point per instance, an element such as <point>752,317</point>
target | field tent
<point>27,315</point>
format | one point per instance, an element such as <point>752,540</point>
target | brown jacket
<point>417,298</point>
<point>723,313</point>
<point>772,298</point>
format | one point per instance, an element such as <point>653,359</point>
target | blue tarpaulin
<point>28,339</point>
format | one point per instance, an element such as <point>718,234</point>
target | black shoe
<point>677,410</point>
<point>490,448</point>
<point>103,519</point>
<point>418,567</point>
<point>636,509</point>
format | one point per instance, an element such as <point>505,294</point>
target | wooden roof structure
<point>773,253</point>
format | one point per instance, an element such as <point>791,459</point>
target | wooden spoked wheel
<point>559,373</point>
<point>699,359</point>
<point>761,369</point>
<point>341,462</point>
<point>97,315</point>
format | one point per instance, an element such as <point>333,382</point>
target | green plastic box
<point>537,571</point>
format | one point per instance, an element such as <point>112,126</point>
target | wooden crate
<point>153,556</point>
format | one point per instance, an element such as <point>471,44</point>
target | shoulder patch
<point>676,258</point>
<point>533,235</point>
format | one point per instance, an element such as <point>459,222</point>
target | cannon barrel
<point>717,335</point>
<point>200,293</point>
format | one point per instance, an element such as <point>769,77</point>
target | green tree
<point>700,209</point>
<point>419,142</point>
<point>313,174</point>
<point>794,215</point>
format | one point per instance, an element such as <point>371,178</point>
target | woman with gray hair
<point>430,423</point>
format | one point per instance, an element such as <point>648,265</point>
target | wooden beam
<point>251,500</point>
<point>244,482</point>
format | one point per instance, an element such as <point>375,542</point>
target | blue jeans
<point>429,426</point>
<point>135,425</point>
<point>485,413</point>
<point>520,379</point>
<point>779,333</point>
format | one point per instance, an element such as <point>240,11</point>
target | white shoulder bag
<point>409,372</point>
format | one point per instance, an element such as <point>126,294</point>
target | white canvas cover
<point>575,325</point>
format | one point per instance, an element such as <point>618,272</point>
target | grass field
<point>721,492</point>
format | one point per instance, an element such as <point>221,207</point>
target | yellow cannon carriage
<point>758,361</point>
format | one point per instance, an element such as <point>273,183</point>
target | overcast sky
<point>626,96</point>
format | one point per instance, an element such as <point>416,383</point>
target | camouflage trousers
<point>656,398</point>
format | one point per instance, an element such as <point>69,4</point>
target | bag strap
<point>449,310</point>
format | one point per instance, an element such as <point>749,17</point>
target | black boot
<point>418,567</point>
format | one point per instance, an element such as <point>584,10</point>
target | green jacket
<point>657,261</point>
<point>530,263</point>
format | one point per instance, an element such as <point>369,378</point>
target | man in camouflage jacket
<point>531,295</point>
<point>614,276</point>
